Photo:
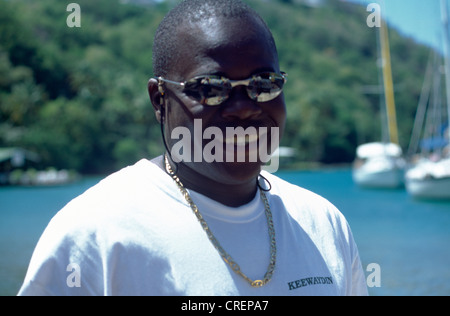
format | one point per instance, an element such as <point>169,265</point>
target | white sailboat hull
<point>430,176</point>
<point>429,188</point>
<point>429,179</point>
<point>388,178</point>
<point>379,165</point>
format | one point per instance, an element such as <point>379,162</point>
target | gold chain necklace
<point>225,256</point>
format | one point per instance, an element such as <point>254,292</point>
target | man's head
<point>166,49</point>
<point>223,38</point>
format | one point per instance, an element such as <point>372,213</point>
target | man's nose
<point>239,106</point>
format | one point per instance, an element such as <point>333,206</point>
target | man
<point>203,219</point>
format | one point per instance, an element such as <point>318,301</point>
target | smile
<point>243,140</point>
<point>213,144</point>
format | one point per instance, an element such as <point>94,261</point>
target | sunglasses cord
<point>168,153</point>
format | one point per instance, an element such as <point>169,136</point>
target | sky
<point>420,19</point>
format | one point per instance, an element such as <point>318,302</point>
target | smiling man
<point>216,46</point>
<point>186,225</point>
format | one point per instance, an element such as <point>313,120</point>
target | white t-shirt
<point>134,234</point>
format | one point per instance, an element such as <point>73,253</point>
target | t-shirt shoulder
<point>306,206</point>
<point>110,201</point>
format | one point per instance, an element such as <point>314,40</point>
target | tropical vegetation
<point>77,95</point>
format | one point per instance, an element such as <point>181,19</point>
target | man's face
<point>236,49</point>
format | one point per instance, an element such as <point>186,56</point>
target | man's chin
<point>229,172</point>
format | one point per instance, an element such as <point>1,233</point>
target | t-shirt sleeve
<point>358,286</point>
<point>66,261</point>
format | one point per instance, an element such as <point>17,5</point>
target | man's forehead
<point>217,28</point>
<point>216,36</point>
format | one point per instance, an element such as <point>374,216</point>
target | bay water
<point>404,243</point>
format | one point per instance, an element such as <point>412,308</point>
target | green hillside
<point>77,96</point>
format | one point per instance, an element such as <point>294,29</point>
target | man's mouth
<point>244,139</point>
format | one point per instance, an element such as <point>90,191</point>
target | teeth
<point>241,140</point>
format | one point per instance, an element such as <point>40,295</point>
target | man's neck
<point>233,195</point>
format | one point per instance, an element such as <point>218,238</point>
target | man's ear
<point>157,98</point>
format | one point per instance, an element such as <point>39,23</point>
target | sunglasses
<point>213,90</point>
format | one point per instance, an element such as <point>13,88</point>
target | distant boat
<point>20,167</point>
<point>429,173</point>
<point>380,164</point>
<point>429,179</point>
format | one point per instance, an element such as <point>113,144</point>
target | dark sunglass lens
<point>265,87</point>
<point>208,90</point>
<point>192,88</point>
<point>214,90</point>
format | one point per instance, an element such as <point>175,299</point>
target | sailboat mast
<point>444,14</point>
<point>388,83</point>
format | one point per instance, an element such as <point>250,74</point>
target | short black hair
<point>164,45</point>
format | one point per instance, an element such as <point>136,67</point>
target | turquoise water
<point>408,239</point>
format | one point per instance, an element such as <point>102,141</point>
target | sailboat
<point>381,164</point>
<point>429,174</point>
